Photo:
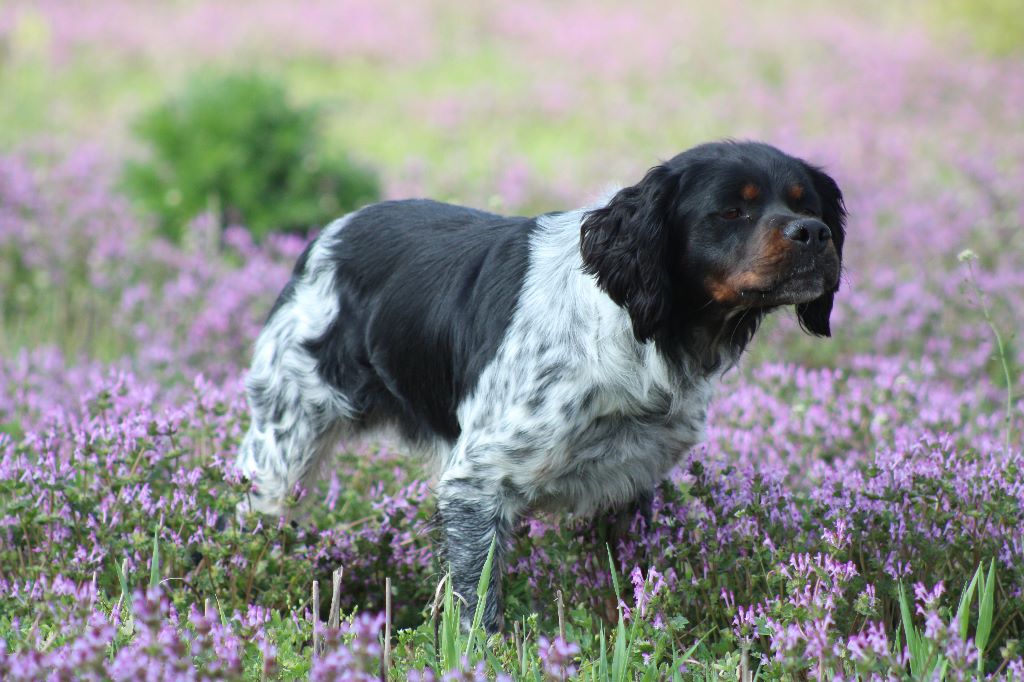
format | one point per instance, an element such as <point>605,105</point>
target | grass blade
<point>154,564</point>
<point>496,667</point>
<point>481,594</point>
<point>966,597</point>
<point>676,675</point>
<point>913,646</point>
<point>689,652</point>
<point>450,621</point>
<point>603,661</point>
<point>615,577</point>
<point>620,656</point>
<point>986,596</point>
<point>122,580</point>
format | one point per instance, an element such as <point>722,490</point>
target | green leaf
<point>689,652</point>
<point>913,645</point>
<point>620,656</point>
<point>481,595</point>
<point>986,603</point>
<point>492,661</point>
<point>450,628</point>
<point>603,661</point>
<point>966,597</point>
<point>615,577</point>
<point>122,579</point>
<point>154,564</point>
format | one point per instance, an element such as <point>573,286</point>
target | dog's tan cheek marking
<point>796,192</point>
<point>750,191</point>
<point>748,279</point>
<point>720,290</point>
<point>774,249</point>
<point>726,290</point>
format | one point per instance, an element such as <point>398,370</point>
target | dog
<point>561,362</point>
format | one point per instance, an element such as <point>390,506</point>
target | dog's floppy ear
<point>624,245</point>
<point>814,315</point>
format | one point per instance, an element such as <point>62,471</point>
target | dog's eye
<point>807,210</point>
<point>731,213</point>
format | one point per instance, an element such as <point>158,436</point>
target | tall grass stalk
<point>967,256</point>
<point>481,596</point>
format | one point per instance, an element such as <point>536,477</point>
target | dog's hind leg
<point>297,416</point>
<point>296,422</point>
<point>280,450</point>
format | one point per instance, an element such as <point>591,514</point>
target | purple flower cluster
<point>334,30</point>
<point>175,310</point>
<point>357,658</point>
<point>557,657</point>
<point>158,645</point>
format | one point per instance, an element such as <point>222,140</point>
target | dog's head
<point>724,226</point>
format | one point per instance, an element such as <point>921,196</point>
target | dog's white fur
<point>562,412</point>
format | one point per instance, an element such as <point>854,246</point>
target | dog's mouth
<point>801,285</point>
<point>798,283</point>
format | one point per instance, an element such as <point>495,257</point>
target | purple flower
<point>557,657</point>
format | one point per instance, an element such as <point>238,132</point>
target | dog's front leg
<point>475,511</point>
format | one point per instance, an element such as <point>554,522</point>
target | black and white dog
<point>563,362</point>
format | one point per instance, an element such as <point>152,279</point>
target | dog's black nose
<point>811,233</point>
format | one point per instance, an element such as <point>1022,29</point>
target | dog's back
<point>389,318</point>
<point>426,291</point>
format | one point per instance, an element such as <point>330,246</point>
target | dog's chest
<point>577,432</point>
<point>607,457</point>
<point>573,412</point>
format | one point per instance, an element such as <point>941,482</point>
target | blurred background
<point>162,163</point>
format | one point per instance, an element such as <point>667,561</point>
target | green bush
<point>235,145</point>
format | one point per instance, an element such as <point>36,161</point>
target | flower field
<point>856,513</point>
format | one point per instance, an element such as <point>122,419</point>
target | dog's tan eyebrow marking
<point>795,192</point>
<point>750,191</point>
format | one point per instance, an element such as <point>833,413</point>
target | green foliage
<point>639,651</point>
<point>481,596</point>
<point>986,606</point>
<point>926,657</point>
<point>235,145</point>
<point>996,26</point>
<point>154,563</point>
